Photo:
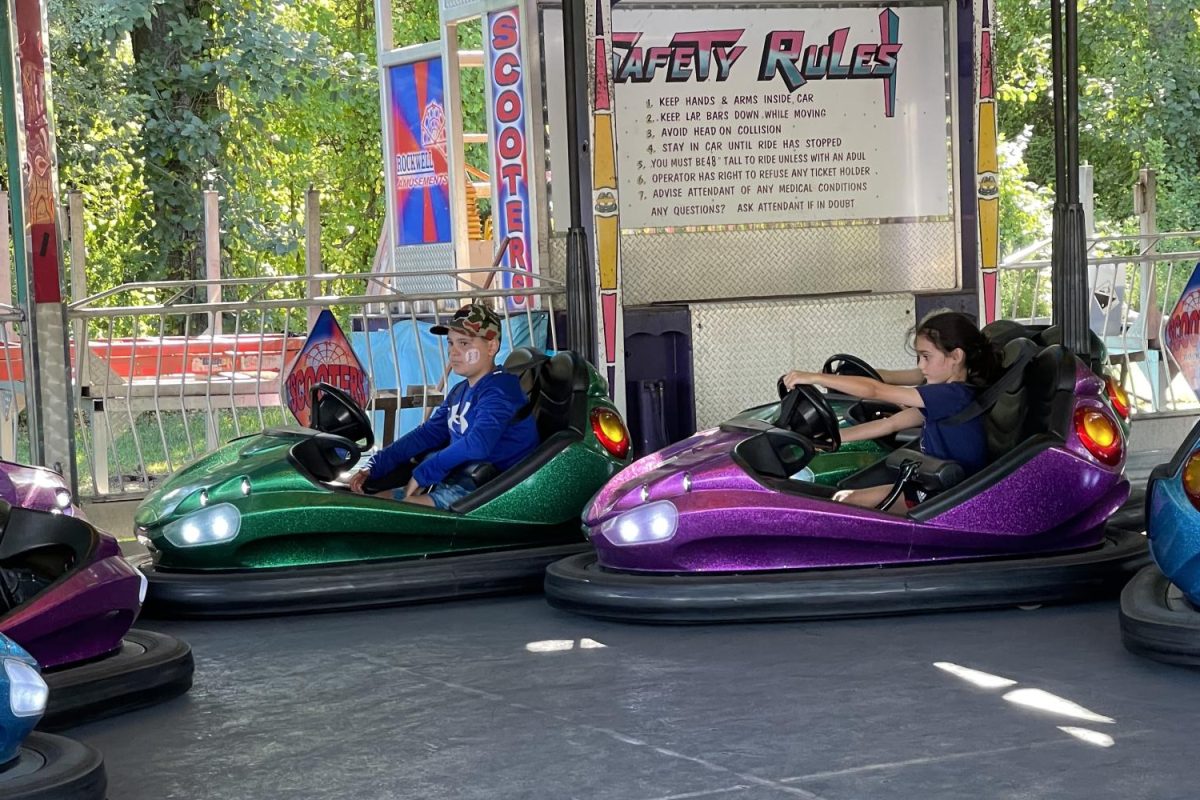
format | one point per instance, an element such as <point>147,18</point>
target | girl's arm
<point>902,377</point>
<point>908,418</point>
<point>865,388</point>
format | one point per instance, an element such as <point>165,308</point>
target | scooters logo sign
<point>1183,331</point>
<point>326,357</point>
<point>509,146</point>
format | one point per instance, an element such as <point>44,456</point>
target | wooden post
<point>212,274</point>
<point>97,419</point>
<point>1145,205</point>
<point>312,248</point>
<point>212,257</point>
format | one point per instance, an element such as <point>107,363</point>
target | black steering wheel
<point>845,364</point>
<point>804,410</point>
<point>334,411</point>
<point>325,456</point>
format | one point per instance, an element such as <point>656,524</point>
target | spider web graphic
<point>433,129</point>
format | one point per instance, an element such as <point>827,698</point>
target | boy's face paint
<point>469,355</point>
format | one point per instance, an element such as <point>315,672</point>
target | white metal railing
<point>168,373</point>
<point>14,436</point>
<point>1135,282</point>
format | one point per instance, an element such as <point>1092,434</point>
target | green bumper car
<point>265,525</point>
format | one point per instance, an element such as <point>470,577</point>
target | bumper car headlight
<point>653,522</point>
<point>210,525</point>
<point>27,693</point>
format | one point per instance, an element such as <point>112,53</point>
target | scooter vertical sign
<point>512,212</point>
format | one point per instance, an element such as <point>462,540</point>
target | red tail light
<point>611,432</point>
<point>1099,434</point>
<point>1191,478</point>
<point>1118,397</point>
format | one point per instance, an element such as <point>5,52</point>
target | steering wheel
<point>325,456</point>
<point>804,410</point>
<point>334,411</point>
<point>845,364</point>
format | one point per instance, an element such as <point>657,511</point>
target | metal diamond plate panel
<point>827,259</point>
<point>740,349</point>
<point>419,258</point>
<point>557,266</point>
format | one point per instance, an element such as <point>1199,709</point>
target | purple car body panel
<point>729,521</point>
<point>36,487</point>
<point>86,612</point>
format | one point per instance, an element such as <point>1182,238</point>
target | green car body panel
<point>288,520</point>
<point>828,468</point>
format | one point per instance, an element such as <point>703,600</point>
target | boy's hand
<point>412,488</point>
<point>358,479</point>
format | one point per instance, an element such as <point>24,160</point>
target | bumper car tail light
<point>1118,397</point>
<point>27,692</point>
<point>1191,479</point>
<point>1100,435</point>
<point>611,432</point>
<point>655,522</point>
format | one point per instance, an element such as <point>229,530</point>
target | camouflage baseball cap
<point>473,319</point>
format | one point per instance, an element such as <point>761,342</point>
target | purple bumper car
<point>69,598</point>
<point>723,527</point>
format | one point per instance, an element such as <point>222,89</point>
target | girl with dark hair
<point>955,360</point>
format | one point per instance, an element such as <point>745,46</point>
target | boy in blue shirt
<point>474,423</point>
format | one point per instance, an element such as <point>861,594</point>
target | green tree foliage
<point>156,100</point>
<point>1139,101</point>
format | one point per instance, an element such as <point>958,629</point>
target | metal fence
<point>173,369</point>
<point>14,437</point>
<point>1135,282</point>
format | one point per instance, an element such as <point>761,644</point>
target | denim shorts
<point>442,494</point>
<point>445,494</point>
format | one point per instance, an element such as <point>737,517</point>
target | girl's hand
<point>796,377</point>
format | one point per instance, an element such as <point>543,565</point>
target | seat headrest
<point>1099,352</point>
<point>522,358</point>
<point>1014,349</point>
<point>1052,370</point>
<point>1003,331</point>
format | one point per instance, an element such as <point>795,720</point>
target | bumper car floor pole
<point>581,322</point>
<point>1069,249</point>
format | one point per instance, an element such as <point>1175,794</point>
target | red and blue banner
<point>511,212</point>
<point>419,172</point>
<point>1183,331</point>
<point>326,357</point>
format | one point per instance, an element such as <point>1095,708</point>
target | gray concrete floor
<point>507,698</point>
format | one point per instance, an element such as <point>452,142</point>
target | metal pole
<point>581,322</point>
<point>10,90</point>
<point>1069,253</point>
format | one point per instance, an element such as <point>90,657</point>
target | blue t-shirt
<point>473,423</point>
<point>965,443</point>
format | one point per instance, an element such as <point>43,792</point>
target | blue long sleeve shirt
<point>473,423</point>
